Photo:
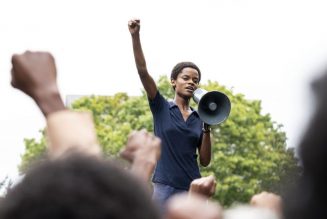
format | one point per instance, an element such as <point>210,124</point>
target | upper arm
<point>149,85</point>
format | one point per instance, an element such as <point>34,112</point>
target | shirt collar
<point>173,104</point>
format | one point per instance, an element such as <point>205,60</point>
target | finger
<point>132,24</point>
<point>50,56</point>
<point>126,155</point>
<point>213,189</point>
<point>144,132</point>
<point>136,19</point>
<point>139,134</point>
<point>13,81</point>
<point>153,137</point>
<point>14,59</point>
<point>131,134</point>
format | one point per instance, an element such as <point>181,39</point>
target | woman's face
<point>186,83</point>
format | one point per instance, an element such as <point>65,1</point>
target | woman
<point>179,127</point>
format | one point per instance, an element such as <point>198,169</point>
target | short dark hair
<point>78,187</point>
<point>178,68</point>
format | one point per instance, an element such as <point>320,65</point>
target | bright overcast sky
<point>266,49</point>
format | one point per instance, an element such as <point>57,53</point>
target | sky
<point>266,50</point>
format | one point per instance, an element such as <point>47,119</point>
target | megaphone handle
<point>206,128</point>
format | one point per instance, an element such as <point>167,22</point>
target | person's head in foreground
<point>78,187</point>
<point>309,198</point>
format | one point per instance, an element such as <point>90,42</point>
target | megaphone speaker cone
<point>214,107</point>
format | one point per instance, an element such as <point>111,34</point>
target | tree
<point>249,149</point>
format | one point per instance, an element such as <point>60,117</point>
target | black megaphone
<point>213,107</point>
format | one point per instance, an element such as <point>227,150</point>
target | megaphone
<point>213,107</point>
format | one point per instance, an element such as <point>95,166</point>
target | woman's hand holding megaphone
<point>206,128</point>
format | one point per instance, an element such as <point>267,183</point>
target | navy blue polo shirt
<point>180,139</point>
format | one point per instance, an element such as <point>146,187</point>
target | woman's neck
<point>183,104</point>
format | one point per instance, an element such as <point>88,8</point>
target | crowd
<point>77,181</point>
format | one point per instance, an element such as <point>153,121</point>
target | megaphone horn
<point>213,107</point>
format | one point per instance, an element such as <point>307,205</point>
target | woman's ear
<point>173,83</point>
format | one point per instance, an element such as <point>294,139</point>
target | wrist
<point>144,161</point>
<point>135,35</point>
<point>49,101</point>
<point>143,168</point>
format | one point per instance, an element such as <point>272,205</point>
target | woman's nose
<point>191,82</point>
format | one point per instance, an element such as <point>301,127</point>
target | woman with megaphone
<point>183,135</point>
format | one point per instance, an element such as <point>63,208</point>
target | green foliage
<point>34,150</point>
<point>115,117</point>
<point>249,149</point>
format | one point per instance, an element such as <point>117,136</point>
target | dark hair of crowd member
<point>309,198</point>
<point>78,187</point>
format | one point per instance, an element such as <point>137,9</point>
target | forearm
<point>205,149</point>
<point>138,55</point>
<point>49,100</point>
<point>69,131</point>
<point>143,150</point>
<point>143,168</point>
